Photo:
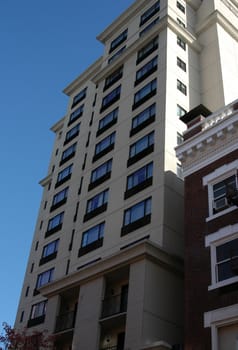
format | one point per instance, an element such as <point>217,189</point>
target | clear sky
<point>44,45</point>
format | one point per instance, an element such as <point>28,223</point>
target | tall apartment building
<point>209,156</point>
<point>105,269</point>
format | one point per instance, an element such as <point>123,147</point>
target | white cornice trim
<point>46,180</point>
<point>58,126</point>
<point>221,316</point>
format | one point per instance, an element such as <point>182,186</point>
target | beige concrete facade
<point>123,289</point>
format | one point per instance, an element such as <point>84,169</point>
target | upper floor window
<point>146,70</point>
<point>227,260</point>
<point>146,50</point>
<point>100,174</point>
<point>221,191</point>
<point>120,39</point>
<point>139,180</point>
<point>181,87</point>
<point>146,29</point>
<point>145,93</point>
<point>180,111</point>
<point>141,148</point>
<point>96,205</point>
<point>104,146</point>
<point>44,278</point>
<point>92,239</point>
<point>114,77</point>
<point>181,43</point>
<point>180,6</point>
<point>107,121</point>
<point>116,55</point>
<point>49,251</point>
<point>72,133</point>
<point>38,309</point>
<point>181,23</point>
<point>112,97</point>
<point>181,64</point>
<point>143,119</point>
<point>79,97</point>
<point>136,216</point>
<point>76,114</point>
<point>64,175</point>
<point>59,198</point>
<point>68,153</point>
<point>55,224</point>
<point>150,13</point>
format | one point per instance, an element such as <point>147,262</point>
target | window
<point>54,224</point>
<point>151,25</point>
<point>100,174</point>
<point>68,153</point>
<point>227,260</point>
<point>116,55</point>
<point>114,77</point>
<point>64,175</point>
<point>104,146</point>
<point>44,278</point>
<point>144,118</point>
<point>149,13</point>
<point>92,239</point>
<point>59,198</point>
<point>221,193</point>
<point>112,97</point>
<point>139,180</point>
<point>181,23</point>
<point>96,205</point>
<point>146,70</point>
<point>147,50</point>
<point>181,87</point>
<point>120,39</point>
<point>75,114</point>
<point>181,43</point>
<point>49,252</point>
<point>180,111</point>
<point>141,148</point>
<point>38,313</point>
<point>79,97</point>
<point>180,7</point>
<point>145,93</point>
<point>136,216</point>
<point>72,133</point>
<point>181,64</point>
<point>107,121</point>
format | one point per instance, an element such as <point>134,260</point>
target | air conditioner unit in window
<point>220,204</point>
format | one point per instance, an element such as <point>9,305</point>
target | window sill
<point>71,138</point>
<point>35,321</point>
<point>135,225</point>
<point>140,155</point>
<point>224,283</point>
<point>106,127</point>
<point>47,258</point>
<point>143,125</point>
<point>222,212</point>
<point>67,158</point>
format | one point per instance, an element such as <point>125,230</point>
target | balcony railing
<point>114,305</point>
<point>65,321</point>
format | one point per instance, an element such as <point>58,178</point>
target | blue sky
<point>44,45</point>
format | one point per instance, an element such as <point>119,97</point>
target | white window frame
<point>213,178</point>
<point>213,240</point>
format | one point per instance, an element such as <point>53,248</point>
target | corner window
<point>149,13</point>
<point>181,43</point>
<point>144,118</point>
<point>92,239</point>
<point>64,175</point>
<point>112,97</point>
<point>72,133</point>
<point>181,87</point>
<point>79,97</point>
<point>139,180</point>
<point>106,122</point>
<point>145,93</point>
<point>149,68</point>
<point>113,78</point>
<point>136,216</point>
<point>75,115</point>
<point>100,174</point>
<point>104,146</point>
<point>68,153</point>
<point>118,41</point>
<point>141,148</point>
<point>146,50</point>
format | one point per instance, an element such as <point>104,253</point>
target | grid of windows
<point>145,93</point>
<point>120,39</point>
<point>181,87</point>
<point>181,64</point>
<point>181,43</point>
<point>146,70</point>
<point>107,121</point>
<point>146,50</point>
<point>149,27</point>
<point>44,278</point>
<point>79,97</point>
<point>114,77</point>
<point>76,114</point>
<point>143,119</point>
<point>112,97</point>
<point>149,13</point>
<point>72,133</point>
